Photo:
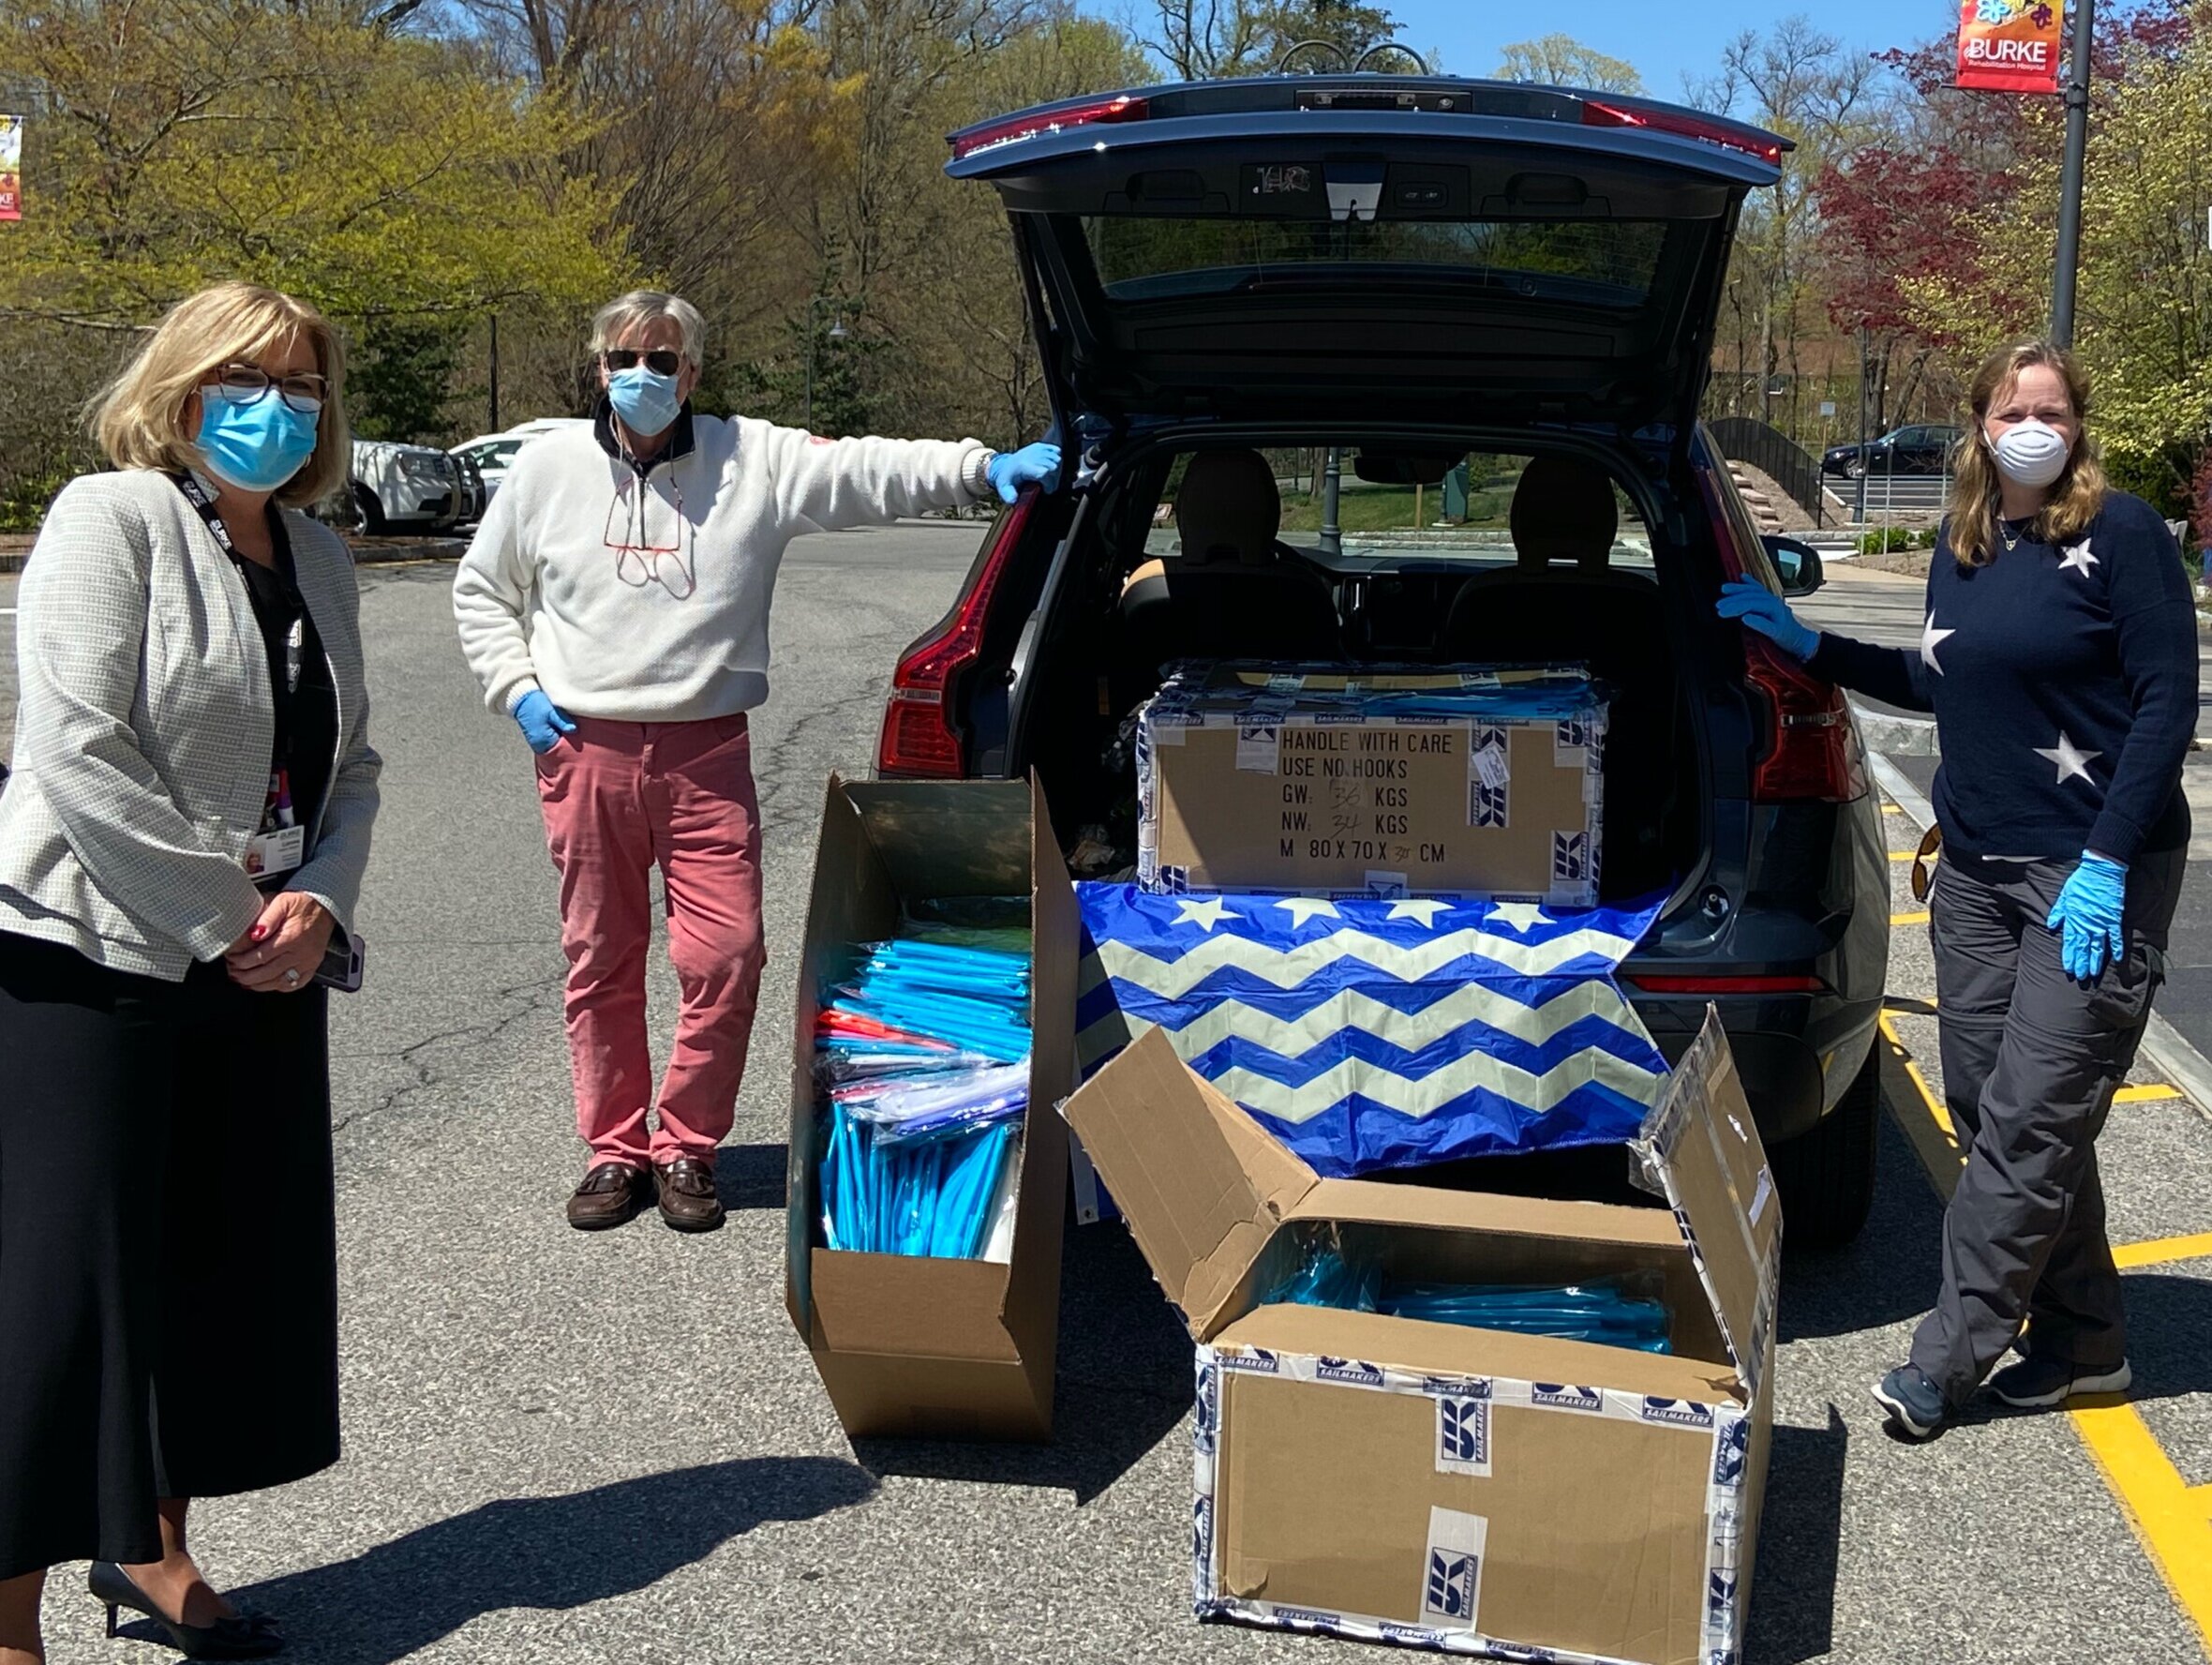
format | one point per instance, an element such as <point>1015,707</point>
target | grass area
<point>1387,508</point>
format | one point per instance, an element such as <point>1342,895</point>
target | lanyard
<point>295,638</point>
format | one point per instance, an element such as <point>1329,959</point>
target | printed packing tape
<point>1729,1429</point>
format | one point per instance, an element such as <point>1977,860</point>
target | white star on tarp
<point>2079,558</point>
<point>1518,916</point>
<point>1423,908</point>
<point>1301,909</point>
<point>2069,758</point>
<point>1931,638</point>
<point>1208,913</point>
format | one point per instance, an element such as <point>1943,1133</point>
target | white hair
<point>641,307</point>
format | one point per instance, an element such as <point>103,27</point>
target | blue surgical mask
<point>645,401</point>
<point>255,446</point>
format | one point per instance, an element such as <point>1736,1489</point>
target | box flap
<point>1202,1185</point>
<point>1702,1149</point>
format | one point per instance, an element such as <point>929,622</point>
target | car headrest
<point>1562,510</point>
<point>1229,509</point>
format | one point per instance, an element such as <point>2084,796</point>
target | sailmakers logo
<point>1463,1436</point>
<point>1257,1360</point>
<point>1355,1372</point>
<point>1675,1413</point>
<point>1566,1397</point>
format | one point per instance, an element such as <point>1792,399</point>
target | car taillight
<point>1814,753</point>
<point>1015,128</point>
<point>1730,137</point>
<point>1691,983</point>
<point>920,738</point>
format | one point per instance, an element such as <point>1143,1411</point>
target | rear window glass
<point>1466,517</point>
<point>1604,263</point>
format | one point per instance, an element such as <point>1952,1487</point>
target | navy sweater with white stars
<point>2064,684</point>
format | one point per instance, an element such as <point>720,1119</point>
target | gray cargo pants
<point>2030,1062</point>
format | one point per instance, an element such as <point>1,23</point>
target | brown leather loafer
<point>610,1195</point>
<point>688,1202</point>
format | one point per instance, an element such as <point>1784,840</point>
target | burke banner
<point>11,167</point>
<point>2009,46</point>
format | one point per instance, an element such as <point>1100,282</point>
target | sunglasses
<point>661,361</point>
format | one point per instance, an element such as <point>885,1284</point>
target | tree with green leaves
<point>380,175</point>
<point>1560,60</point>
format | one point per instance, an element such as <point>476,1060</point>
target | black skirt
<point>168,1251</point>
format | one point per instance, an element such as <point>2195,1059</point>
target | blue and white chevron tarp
<point>1371,1033</point>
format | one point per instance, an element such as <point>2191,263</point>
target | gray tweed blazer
<point>143,728</point>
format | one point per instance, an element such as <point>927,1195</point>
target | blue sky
<point>1662,40</point>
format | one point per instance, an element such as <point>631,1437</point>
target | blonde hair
<point>619,316</point>
<point>2076,495</point>
<point>139,418</point>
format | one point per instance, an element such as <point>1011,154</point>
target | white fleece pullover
<point>541,603</point>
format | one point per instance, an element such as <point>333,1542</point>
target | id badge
<point>274,852</point>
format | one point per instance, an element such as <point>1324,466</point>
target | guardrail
<point>1774,453</point>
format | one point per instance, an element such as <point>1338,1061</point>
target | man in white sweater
<point>614,604</point>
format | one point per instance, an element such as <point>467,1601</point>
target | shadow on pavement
<point>2169,1317</point>
<point>551,1553</point>
<point>1889,1274</point>
<point>1793,1582</point>
<point>1125,1382</point>
<point>748,1176</point>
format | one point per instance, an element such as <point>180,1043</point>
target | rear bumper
<point>1795,1054</point>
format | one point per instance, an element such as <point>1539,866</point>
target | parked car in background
<point>1413,269</point>
<point>407,487</point>
<point>1921,448</point>
<point>490,454</point>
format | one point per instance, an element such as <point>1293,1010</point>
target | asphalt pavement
<point>564,1447</point>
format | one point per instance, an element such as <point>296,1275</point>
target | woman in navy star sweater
<point>2059,657</point>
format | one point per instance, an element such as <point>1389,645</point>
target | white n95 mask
<point>2031,453</point>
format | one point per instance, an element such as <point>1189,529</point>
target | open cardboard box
<point>910,1346</point>
<point>1466,1489</point>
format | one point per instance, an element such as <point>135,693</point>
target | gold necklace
<point>2010,539</point>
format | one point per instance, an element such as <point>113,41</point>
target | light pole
<point>837,333</point>
<point>2069,177</point>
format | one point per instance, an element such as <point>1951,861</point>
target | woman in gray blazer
<point>181,848</point>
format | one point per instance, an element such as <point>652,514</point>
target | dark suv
<point>1922,448</point>
<point>1413,273</point>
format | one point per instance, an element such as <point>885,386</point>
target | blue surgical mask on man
<point>645,401</point>
<point>256,444</point>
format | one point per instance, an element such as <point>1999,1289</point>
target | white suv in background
<point>408,488</point>
<point>491,453</point>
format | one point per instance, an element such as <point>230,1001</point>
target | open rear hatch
<point>1364,249</point>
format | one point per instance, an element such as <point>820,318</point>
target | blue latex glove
<point>1768,614</point>
<point>1010,471</point>
<point>2087,917</point>
<point>543,722</point>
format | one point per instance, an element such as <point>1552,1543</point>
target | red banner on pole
<point>2009,46</point>
<point>11,164</point>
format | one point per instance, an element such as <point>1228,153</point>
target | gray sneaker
<point>1913,1402</point>
<point>2038,1384</point>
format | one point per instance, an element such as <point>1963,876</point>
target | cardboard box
<point>1373,782</point>
<point>909,1346</point>
<point>1465,1490</point>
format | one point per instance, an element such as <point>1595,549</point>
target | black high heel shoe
<point>241,1636</point>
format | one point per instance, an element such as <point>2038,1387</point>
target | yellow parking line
<point>2174,1524</point>
<point>1933,1140</point>
<point>2150,1092</point>
<point>2171,1519</point>
<point>1891,809</point>
<point>1910,919</point>
<point>1903,855</point>
<point>2160,1250</point>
